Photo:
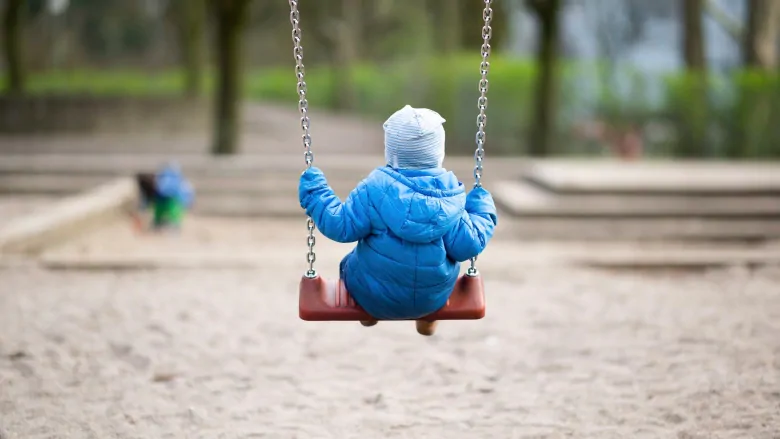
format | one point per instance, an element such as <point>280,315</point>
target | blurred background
<point>667,78</point>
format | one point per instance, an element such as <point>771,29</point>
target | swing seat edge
<point>466,302</point>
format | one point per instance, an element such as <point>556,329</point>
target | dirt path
<point>220,353</point>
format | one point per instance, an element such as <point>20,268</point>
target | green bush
<point>754,113</point>
<point>735,116</point>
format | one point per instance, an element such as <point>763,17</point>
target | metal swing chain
<point>303,108</point>
<point>482,102</point>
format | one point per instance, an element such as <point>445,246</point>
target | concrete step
<point>634,229</point>
<point>259,197</point>
<point>680,259</point>
<point>528,200</point>
<point>650,177</point>
<point>534,229</point>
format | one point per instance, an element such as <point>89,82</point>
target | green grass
<point>106,83</point>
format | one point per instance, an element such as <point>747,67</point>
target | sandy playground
<point>220,353</point>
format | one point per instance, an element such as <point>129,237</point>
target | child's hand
<point>312,179</point>
<point>312,172</point>
<point>478,193</point>
<point>480,201</point>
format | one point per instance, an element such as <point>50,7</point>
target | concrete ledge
<point>183,261</point>
<point>680,230</point>
<point>72,215</point>
<point>678,259</point>
<point>526,200</point>
<point>656,177</point>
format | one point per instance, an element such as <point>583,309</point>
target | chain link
<point>300,73</point>
<point>303,108</point>
<point>310,256</point>
<point>482,103</point>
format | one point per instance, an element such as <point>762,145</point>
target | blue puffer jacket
<point>413,228</point>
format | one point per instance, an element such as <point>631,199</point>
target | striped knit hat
<point>414,139</point>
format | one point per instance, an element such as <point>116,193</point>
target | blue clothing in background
<point>413,228</point>
<point>170,183</point>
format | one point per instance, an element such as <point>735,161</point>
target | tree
<point>335,32</point>
<point>230,17</point>
<point>450,26</point>
<point>761,33</point>
<point>696,117</point>
<point>13,45</point>
<point>693,35</point>
<point>348,34</point>
<point>189,18</point>
<point>547,15</point>
<point>759,36</point>
<point>447,21</point>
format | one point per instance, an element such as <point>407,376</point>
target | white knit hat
<point>414,139</point>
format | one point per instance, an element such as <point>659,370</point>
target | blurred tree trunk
<point>13,45</point>
<point>693,35</point>
<point>547,14</point>
<point>348,32</point>
<point>419,27</point>
<point>694,132</point>
<point>189,19</point>
<point>449,35</point>
<point>230,18</point>
<point>417,45</point>
<point>450,26</point>
<point>761,36</point>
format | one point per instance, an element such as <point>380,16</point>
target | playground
<point>160,271</point>
<point>207,350</point>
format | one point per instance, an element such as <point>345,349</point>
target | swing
<point>320,300</point>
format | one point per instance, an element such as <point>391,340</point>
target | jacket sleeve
<point>472,232</point>
<point>342,222</point>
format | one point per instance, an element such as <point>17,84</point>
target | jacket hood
<point>420,206</point>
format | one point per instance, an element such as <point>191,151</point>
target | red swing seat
<point>466,302</point>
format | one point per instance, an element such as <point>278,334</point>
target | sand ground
<point>220,353</point>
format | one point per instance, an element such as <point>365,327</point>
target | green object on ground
<point>168,212</point>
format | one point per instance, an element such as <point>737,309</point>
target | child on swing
<point>412,220</point>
